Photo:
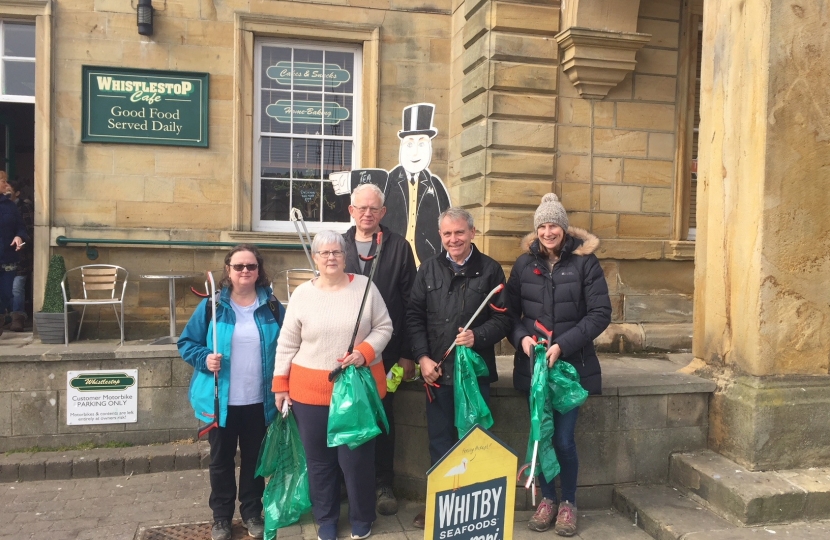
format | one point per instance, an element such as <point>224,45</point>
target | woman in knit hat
<point>558,282</point>
<point>313,341</point>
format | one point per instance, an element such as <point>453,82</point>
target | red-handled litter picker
<point>492,293</point>
<point>374,258</point>
<point>531,477</point>
<point>211,286</point>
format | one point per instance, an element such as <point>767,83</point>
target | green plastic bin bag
<point>566,392</point>
<point>470,407</point>
<point>541,417</point>
<point>356,411</point>
<point>282,458</point>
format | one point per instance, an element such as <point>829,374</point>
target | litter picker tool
<point>374,258</point>
<point>211,290</point>
<point>302,231</point>
<point>531,478</point>
<point>492,293</point>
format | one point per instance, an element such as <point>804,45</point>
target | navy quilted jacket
<point>572,300</point>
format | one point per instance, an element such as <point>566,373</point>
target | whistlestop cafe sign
<point>139,106</point>
<point>101,397</point>
<point>471,491</point>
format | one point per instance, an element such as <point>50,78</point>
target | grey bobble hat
<point>550,211</point>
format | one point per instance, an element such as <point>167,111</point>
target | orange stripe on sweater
<point>312,386</point>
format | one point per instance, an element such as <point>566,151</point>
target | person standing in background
<point>12,239</point>
<point>24,266</point>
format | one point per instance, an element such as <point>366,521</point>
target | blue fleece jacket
<point>196,343</point>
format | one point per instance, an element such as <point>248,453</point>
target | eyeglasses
<point>241,267</point>
<point>362,209</point>
<point>326,254</point>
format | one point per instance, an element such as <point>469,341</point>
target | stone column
<point>762,284</point>
<point>502,151</point>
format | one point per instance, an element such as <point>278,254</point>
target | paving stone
<point>85,467</point>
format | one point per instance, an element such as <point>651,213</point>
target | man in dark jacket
<point>447,291</point>
<point>393,278</point>
<point>24,266</point>
<point>12,235</point>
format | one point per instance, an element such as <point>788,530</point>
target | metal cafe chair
<point>101,280</point>
<point>294,277</point>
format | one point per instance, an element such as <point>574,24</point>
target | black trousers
<point>358,468</point>
<point>441,419</point>
<point>385,448</point>
<point>245,428</point>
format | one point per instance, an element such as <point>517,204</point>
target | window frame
<point>15,98</point>
<point>257,223</point>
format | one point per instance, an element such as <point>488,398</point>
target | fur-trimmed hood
<point>589,242</point>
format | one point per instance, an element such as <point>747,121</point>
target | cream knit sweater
<point>316,332</point>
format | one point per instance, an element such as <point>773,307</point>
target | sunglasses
<point>241,267</point>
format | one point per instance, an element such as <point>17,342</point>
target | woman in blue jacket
<point>246,332</point>
<point>559,284</point>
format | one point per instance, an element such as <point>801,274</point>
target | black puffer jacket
<point>442,301</point>
<point>572,300</point>
<point>393,278</point>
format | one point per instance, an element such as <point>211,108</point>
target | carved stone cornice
<point>597,60</point>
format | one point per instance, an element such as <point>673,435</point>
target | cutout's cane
<point>374,258</point>
<point>215,424</point>
<point>297,219</point>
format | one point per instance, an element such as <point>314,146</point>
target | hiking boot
<point>543,517</point>
<point>255,526</point>
<point>387,504</point>
<point>565,520</point>
<point>18,321</point>
<point>420,520</point>
<point>221,530</point>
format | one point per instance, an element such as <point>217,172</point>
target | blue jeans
<point>441,419</point>
<point>6,284</point>
<point>19,294</point>
<point>565,446</point>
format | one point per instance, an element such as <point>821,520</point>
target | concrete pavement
<point>120,508</point>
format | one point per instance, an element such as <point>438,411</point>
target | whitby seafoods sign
<point>101,397</point>
<point>139,106</point>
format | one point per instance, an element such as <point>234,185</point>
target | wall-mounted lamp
<point>145,17</point>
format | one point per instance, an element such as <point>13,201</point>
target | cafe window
<point>307,110</point>
<point>17,64</point>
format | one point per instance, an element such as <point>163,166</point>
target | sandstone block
<point>525,19</point>
<point>111,5</point>
<point>209,33</point>
<point>474,110</point>
<point>502,220</point>
<point>528,106</point>
<point>656,62</point>
<point>524,77</point>
<point>663,33</point>
<point>170,30</point>
<point>89,51</point>
<point>657,200</point>
<point>604,225</point>
<point>473,138</point>
<point>468,193</point>
<point>619,142</point>
<point>658,308</point>
<point>141,214</point>
<point>575,196</point>
<point>660,9</point>
<point>475,82</point>
<point>622,91</point>
<point>476,26</point>
<point>157,189</point>
<point>89,24</point>
<point>472,165</point>
<point>575,111</point>
<point>574,139</point>
<point>661,277</point>
<point>645,116</point>
<point>92,186</point>
<point>639,226</point>
<point>148,54</point>
<point>654,88</point>
<point>522,135</point>
<point>648,172</point>
<point>195,58</point>
<point>684,410</point>
<point>630,249</point>
<point>477,53</point>
<point>200,190</point>
<point>580,219</point>
<point>505,249</point>
<point>603,114</point>
<point>515,192</point>
<point>573,168</point>
<point>661,146</point>
<point>607,170</point>
<point>619,198</point>
<point>86,158</point>
<point>643,412</point>
<point>523,164</point>
<point>35,413</point>
<point>513,48</point>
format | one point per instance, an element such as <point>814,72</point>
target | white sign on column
<point>101,397</point>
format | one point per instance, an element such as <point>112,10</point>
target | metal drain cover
<point>191,531</point>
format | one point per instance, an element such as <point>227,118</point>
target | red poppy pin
<point>537,271</point>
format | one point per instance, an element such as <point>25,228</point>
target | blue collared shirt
<point>457,267</point>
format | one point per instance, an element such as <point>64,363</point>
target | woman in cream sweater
<point>313,341</point>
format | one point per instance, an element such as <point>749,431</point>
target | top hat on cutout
<point>417,120</point>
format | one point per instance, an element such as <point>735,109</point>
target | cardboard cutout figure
<point>414,196</point>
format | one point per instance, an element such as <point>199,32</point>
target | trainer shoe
<point>327,532</point>
<point>359,532</point>
<point>221,530</point>
<point>387,504</point>
<point>420,520</point>
<point>543,517</point>
<point>255,526</point>
<point>565,520</point>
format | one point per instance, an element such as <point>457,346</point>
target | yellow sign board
<point>471,491</point>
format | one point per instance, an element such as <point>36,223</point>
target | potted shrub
<point>49,321</point>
